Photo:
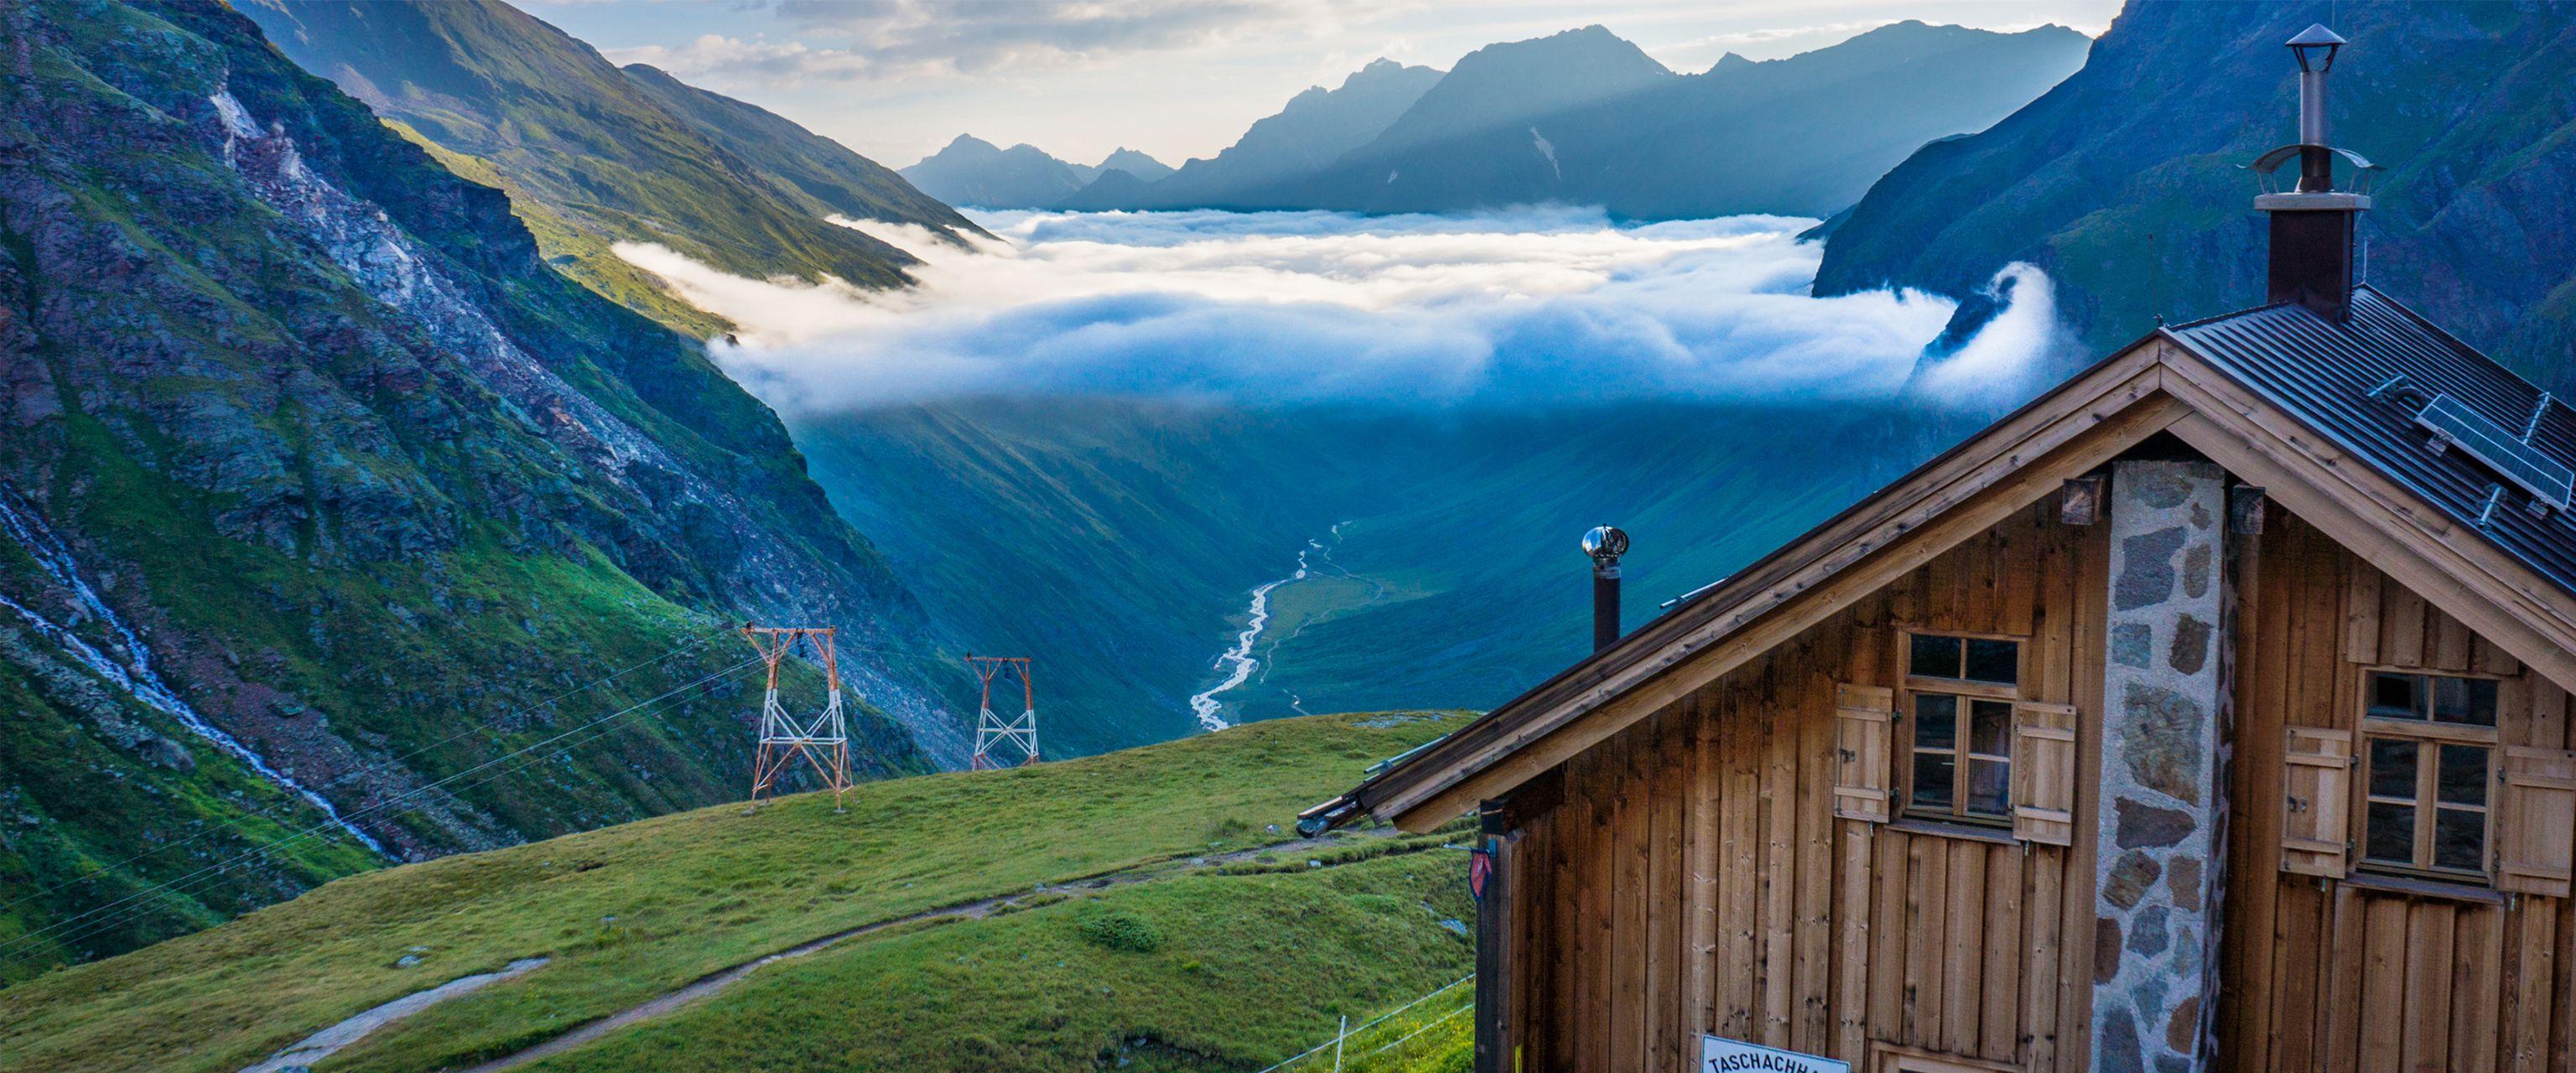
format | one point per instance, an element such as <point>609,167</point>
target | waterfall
<point>129,668</point>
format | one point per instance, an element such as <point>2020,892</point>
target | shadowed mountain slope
<point>2124,183</point>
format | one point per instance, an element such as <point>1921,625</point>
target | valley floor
<point>1139,909</point>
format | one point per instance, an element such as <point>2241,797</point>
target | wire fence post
<point>1339,1035</point>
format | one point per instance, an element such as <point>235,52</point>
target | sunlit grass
<point>632,911</point>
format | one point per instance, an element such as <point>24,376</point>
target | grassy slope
<point>826,173</point>
<point>581,255</point>
<point>631,911</point>
<point>1243,970</point>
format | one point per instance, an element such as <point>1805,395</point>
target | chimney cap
<point>2317,34</point>
<point>1605,542</point>
<point>2311,42</point>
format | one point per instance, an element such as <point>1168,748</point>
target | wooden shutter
<point>2535,821</point>
<point>2317,802</point>
<point>1863,717</point>
<point>2043,754</point>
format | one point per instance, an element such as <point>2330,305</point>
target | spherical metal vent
<point>1605,542</point>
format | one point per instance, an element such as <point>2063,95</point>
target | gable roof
<point>2278,395</point>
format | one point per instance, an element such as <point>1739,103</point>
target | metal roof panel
<point>2324,373</point>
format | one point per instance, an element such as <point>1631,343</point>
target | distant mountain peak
<point>1134,163</point>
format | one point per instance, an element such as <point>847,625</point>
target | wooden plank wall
<point>1695,879</point>
<point>2326,975</point>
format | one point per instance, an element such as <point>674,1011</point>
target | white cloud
<point>843,40</point>
<point>1543,306</point>
<point>735,58</point>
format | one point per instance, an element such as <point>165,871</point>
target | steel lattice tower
<point>991,729</point>
<point>823,740</point>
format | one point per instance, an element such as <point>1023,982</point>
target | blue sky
<point>896,79</point>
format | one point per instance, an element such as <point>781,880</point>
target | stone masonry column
<point>2161,823</point>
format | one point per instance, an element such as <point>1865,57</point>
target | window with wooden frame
<point>2428,754</point>
<point>1957,737</point>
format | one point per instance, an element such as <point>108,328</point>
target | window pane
<point>2460,839</point>
<point>1994,661</point>
<point>1933,775</point>
<point>2392,768</point>
<point>1989,783</point>
<point>1934,657</point>
<point>2392,834</point>
<point>2465,700</point>
<point>1936,721</point>
<point>2463,777</point>
<point>2392,696</point>
<point>1990,727</point>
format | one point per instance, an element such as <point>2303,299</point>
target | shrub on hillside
<point>1117,929</point>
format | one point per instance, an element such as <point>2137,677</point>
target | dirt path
<point>330,1040</point>
<point>327,1042</point>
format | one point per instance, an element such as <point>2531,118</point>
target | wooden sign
<point>1718,1055</point>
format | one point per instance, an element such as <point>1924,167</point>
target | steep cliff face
<point>2124,181</point>
<point>317,485</point>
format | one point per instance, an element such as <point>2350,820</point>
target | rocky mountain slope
<point>317,484</point>
<point>594,154</point>
<point>2124,182</point>
<point>1149,910</point>
<point>1586,118</point>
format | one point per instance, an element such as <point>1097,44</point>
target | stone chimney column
<point>2160,830</point>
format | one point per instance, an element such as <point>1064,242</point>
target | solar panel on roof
<point>2547,479</point>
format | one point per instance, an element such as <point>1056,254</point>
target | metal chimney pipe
<point>1605,544</point>
<point>2316,166</point>
<point>2315,50</point>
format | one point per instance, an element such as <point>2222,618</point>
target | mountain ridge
<point>1308,133</point>
<point>1802,135</point>
<point>612,155</point>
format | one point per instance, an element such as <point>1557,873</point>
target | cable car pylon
<point>823,740</point>
<point>1020,734</point>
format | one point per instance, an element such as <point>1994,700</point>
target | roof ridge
<point>2228,315</point>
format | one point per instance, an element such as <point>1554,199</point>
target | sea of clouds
<point>1530,307</point>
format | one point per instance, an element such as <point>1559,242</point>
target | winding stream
<point>1239,660</point>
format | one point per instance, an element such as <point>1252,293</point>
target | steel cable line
<point>485,727</point>
<point>26,939</point>
<point>134,912</point>
<point>86,927</point>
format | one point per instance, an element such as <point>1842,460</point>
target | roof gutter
<point>1332,814</point>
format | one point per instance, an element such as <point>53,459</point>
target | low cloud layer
<point>1537,307</point>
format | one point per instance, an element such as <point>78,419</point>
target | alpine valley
<point>403,404</point>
